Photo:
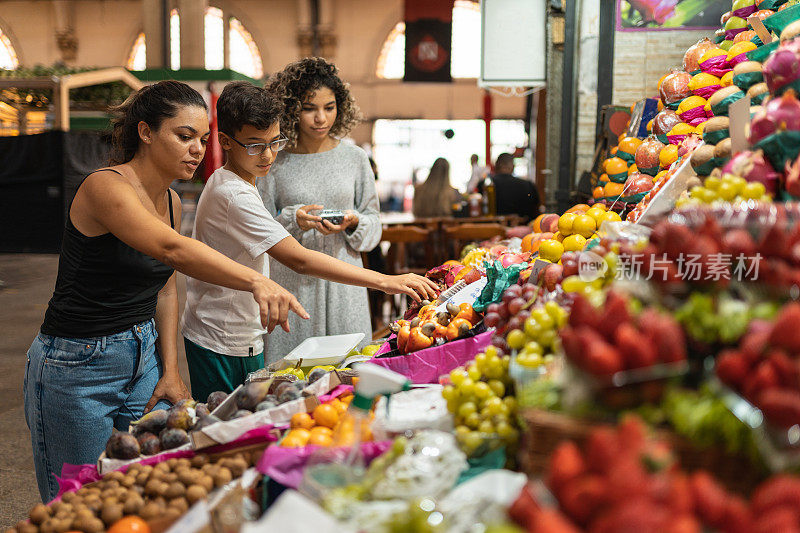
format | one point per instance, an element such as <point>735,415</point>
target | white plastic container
<point>330,350</point>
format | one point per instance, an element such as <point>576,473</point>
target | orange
<point>584,225</point>
<point>574,243</point>
<point>621,136</point>
<point>526,242</point>
<point>346,399</point>
<point>613,189</point>
<point>565,223</point>
<point>668,155</point>
<point>629,145</point>
<point>578,208</point>
<point>633,168</point>
<point>601,207</point>
<point>338,405</point>
<point>551,250</point>
<point>603,179</point>
<point>320,439</point>
<point>302,421</point>
<point>537,223</point>
<point>130,524</point>
<point>292,441</point>
<point>558,236</point>
<point>650,125</point>
<point>615,165</point>
<point>614,150</point>
<point>299,434</point>
<point>326,415</point>
<point>597,192</point>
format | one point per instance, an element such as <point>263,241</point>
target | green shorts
<point>210,371</point>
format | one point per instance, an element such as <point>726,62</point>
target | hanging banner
<point>429,30</point>
<point>650,15</point>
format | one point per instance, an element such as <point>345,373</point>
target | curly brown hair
<point>293,85</point>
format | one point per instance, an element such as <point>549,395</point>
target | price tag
<point>763,33</point>
<point>739,113</point>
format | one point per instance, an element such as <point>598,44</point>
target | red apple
<point>549,223</point>
<point>553,276</point>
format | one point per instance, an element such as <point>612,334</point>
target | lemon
<point>551,250</point>
<point>613,216</point>
<point>574,243</point>
<point>585,225</point>
<point>595,213</point>
<point>565,223</point>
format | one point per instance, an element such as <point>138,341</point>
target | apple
<point>553,274</point>
<point>741,4</point>
<point>549,223</point>
<point>726,45</point>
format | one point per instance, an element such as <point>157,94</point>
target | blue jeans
<point>77,390</point>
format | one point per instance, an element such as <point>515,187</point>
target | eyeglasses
<point>258,148</point>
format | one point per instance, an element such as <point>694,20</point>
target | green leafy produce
<point>710,319</point>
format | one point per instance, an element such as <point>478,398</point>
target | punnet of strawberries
<point>622,480</point>
<point>765,368</point>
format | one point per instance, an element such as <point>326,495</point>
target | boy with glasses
<point>221,327</point>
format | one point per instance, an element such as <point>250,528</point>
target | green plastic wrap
<point>713,137</point>
<point>761,53</point>
<point>778,21</point>
<point>748,79</point>
<point>498,279</point>
<point>706,168</point>
<point>652,171</point>
<point>780,148</point>
<point>771,4</point>
<point>628,158</point>
<point>619,177</point>
<point>721,109</point>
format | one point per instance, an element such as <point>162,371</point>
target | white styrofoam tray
<point>330,350</point>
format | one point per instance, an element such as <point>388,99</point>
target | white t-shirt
<point>232,219</point>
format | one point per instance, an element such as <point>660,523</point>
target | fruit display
<point>158,431</point>
<point>163,491</point>
<point>430,328</point>
<point>318,427</point>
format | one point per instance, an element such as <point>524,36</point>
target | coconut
<point>747,66</point>
<point>723,149</point>
<point>723,93</point>
<point>702,155</point>
<point>717,124</point>
<point>790,32</point>
<point>757,89</point>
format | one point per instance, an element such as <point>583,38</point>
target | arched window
<point>465,46</point>
<point>8,56</point>
<point>243,54</point>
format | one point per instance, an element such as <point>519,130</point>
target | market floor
<point>26,284</point>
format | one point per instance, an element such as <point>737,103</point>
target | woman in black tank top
<point>107,350</point>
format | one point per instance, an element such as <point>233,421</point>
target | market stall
<point>630,364</point>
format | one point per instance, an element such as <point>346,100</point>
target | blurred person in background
<point>515,196</point>
<point>435,196</point>
<point>478,173</point>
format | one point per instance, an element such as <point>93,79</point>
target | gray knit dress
<point>340,178</point>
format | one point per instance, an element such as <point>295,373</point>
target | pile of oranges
<point>318,427</point>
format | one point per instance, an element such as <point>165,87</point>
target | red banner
<point>429,30</point>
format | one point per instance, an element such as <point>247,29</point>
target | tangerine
<point>301,421</point>
<point>551,250</point>
<point>300,434</point>
<point>130,524</point>
<point>537,223</point>
<point>577,208</point>
<point>558,236</point>
<point>597,192</point>
<point>320,439</point>
<point>326,415</point>
<point>565,223</point>
<point>633,168</point>
<point>574,243</point>
<point>629,145</point>
<point>614,150</point>
<point>613,189</point>
<point>584,225</point>
<point>603,179</point>
<point>527,240</point>
<point>668,155</point>
<point>615,165</point>
<point>338,405</point>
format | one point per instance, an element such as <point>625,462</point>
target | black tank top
<point>103,286</point>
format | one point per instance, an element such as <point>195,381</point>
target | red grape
<point>516,305</point>
<point>514,291</point>
<point>493,308</point>
<point>529,293</point>
<point>516,323</point>
<point>491,320</point>
<point>524,314</point>
<point>503,311</point>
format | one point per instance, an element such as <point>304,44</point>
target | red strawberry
<point>583,313</point>
<point>780,407</point>
<point>615,313</point>
<point>626,479</point>
<point>684,523</point>
<point>785,332</point>
<point>582,496</point>
<point>551,521</point>
<point>571,343</point>
<point>774,243</point>
<point>638,515</point>
<point>780,489</point>
<point>764,378</point>
<point>631,434</point>
<point>665,333</point>
<point>754,343</point>
<point>785,368</point>
<point>738,242</point>
<point>586,337</point>
<point>566,464</point>
<point>738,518</point>
<point>783,519</point>
<point>732,368</point>
<point>677,494</point>
<point>525,509</point>
<point>636,350</point>
<point>602,359</point>
<point>602,449</point>
<point>710,499</point>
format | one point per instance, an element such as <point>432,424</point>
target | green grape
<point>497,387</point>
<point>473,372</point>
<point>483,390</point>
<point>466,409</point>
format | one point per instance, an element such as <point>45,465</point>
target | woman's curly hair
<point>293,84</point>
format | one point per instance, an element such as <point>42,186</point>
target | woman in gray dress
<point>319,170</point>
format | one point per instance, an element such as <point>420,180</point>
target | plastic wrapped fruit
<point>692,110</point>
<point>647,156</point>
<point>675,87</point>
<point>691,59</point>
<point>715,61</point>
<point>704,84</point>
<point>665,121</point>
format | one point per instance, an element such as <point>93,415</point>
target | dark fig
<point>300,384</point>
<point>122,445</point>
<point>142,437</point>
<point>316,374</point>
<point>150,445</point>
<point>288,395</point>
<point>215,398</point>
<point>251,395</point>
<point>179,418</point>
<point>152,422</point>
<point>205,421</point>
<point>266,405</point>
<point>283,387</point>
<point>201,410</point>
<point>241,413</point>
<point>172,438</point>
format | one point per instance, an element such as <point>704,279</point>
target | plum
<point>266,405</point>
<point>122,445</point>
<point>205,421</point>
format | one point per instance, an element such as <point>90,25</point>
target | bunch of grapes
<point>481,399</point>
<point>536,341</point>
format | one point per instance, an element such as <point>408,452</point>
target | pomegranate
<point>691,59</point>
<point>665,121</point>
<point>646,156</point>
<point>675,87</point>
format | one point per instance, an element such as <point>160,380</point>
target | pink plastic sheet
<point>286,465</point>
<point>340,390</point>
<point>425,366</point>
<point>74,477</point>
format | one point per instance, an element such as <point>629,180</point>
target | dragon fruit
<point>782,68</point>
<point>752,166</point>
<point>779,114</point>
